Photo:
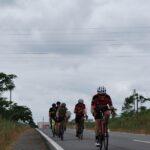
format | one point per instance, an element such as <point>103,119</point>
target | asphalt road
<point>118,141</point>
<point>30,140</point>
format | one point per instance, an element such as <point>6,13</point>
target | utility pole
<point>136,102</point>
<point>10,95</point>
<point>137,106</point>
<point>43,122</point>
<point>134,93</point>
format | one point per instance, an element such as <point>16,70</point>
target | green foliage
<point>131,119</point>
<point>6,82</point>
<point>129,105</point>
<point>9,110</point>
<point>131,123</point>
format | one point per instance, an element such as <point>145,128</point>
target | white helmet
<point>80,101</point>
<point>101,90</point>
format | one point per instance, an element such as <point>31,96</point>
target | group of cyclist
<point>58,115</point>
<point>101,108</point>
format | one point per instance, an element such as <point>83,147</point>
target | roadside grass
<point>130,124</point>
<point>9,131</point>
<point>134,124</point>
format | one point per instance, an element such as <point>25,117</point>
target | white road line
<point>52,142</point>
<point>148,142</point>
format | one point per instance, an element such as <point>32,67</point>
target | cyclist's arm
<point>49,113</point>
<point>111,106</point>
<point>75,110</point>
<point>92,106</point>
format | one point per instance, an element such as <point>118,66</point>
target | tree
<point>4,107</point>
<point>131,104</point>
<point>10,110</point>
<point>128,105</point>
<point>7,83</point>
<point>22,113</point>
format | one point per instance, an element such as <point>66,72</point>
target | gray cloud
<point>65,49</point>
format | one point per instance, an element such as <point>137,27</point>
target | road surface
<point>30,140</point>
<point>118,141</point>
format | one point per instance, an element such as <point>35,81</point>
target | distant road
<point>118,141</point>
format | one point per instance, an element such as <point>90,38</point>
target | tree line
<point>8,109</point>
<point>135,104</point>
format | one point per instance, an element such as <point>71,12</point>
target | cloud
<point>63,50</point>
<point>76,27</point>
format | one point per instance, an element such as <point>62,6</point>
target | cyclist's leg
<point>82,127</point>
<point>107,116</point>
<point>77,125</point>
<point>50,123</point>
<point>62,128</point>
<point>97,127</point>
<point>65,124</point>
<point>57,126</point>
<point>97,131</point>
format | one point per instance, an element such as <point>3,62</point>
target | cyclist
<point>99,100</point>
<point>58,104</point>
<point>80,113</point>
<point>61,116</point>
<point>52,114</point>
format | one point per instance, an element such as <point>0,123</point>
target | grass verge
<point>9,131</point>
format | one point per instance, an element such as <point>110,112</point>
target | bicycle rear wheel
<point>106,140</point>
<point>80,133</point>
<point>100,140</point>
<point>61,132</point>
<point>53,131</point>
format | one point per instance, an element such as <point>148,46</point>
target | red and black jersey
<point>101,99</point>
<point>80,109</point>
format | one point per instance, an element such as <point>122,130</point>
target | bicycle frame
<point>53,128</point>
<point>80,128</point>
<point>103,134</point>
<point>61,128</point>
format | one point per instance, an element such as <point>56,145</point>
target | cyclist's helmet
<point>101,90</point>
<point>81,101</point>
<point>53,105</point>
<point>58,103</point>
<point>63,105</point>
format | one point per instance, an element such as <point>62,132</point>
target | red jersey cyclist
<point>101,99</point>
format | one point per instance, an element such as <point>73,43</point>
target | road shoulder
<point>30,140</point>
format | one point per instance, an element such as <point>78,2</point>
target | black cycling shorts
<point>60,119</point>
<point>98,116</point>
<point>78,119</point>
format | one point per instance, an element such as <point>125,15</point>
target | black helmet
<point>58,103</point>
<point>53,105</point>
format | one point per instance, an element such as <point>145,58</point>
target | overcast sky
<point>63,50</point>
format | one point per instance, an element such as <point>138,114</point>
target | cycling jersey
<point>80,109</point>
<point>100,100</point>
<point>61,114</point>
<point>52,112</point>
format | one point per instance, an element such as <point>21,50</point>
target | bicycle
<point>53,129</point>
<point>103,137</point>
<point>80,129</point>
<point>61,130</point>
